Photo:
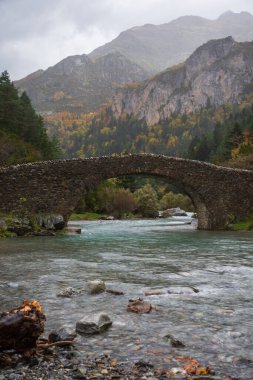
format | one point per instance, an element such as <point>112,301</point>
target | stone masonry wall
<point>57,186</point>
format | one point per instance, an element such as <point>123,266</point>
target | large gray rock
<point>93,324</point>
<point>63,334</point>
<point>50,221</point>
<point>95,286</point>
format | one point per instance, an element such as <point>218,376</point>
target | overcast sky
<point>36,34</point>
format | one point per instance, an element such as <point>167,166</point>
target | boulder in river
<point>73,230</point>
<point>95,286</point>
<point>50,221</point>
<point>69,292</point>
<point>93,324</point>
<point>65,333</point>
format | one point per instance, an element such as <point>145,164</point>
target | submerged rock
<point>73,230</point>
<point>69,292</point>
<point>115,292</point>
<point>93,324</point>
<point>173,341</point>
<point>63,334</point>
<point>182,290</point>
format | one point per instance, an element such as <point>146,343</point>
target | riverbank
<point>95,216</point>
<point>71,364</point>
<point>245,225</point>
<point>12,225</point>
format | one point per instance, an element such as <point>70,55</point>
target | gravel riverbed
<point>68,363</point>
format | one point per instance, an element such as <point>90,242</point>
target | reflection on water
<point>137,256</point>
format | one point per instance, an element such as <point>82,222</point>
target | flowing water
<point>215,324</point>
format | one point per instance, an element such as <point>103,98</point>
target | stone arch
<point>56,186</point>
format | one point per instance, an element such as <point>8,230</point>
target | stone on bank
<point>93,324</point>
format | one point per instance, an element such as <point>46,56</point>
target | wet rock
<point>173,341</point>
<point>63,334</point>
<point>115,292</point>
<point>182,290</point>
<point>44,233</point>
<point>50,221</point>
<point>172,212</point>
<point>81,373</point>
<point>154,293</point>
<point>107,217</point>
<point>20,229</point>
<point>73,230</point>
<point>206,377</point>
<point>139,306</point>
<point>93,324</point>
<point>142,364</point>
<point>69,292</point>
<point>33,361</point>
<point>95,286</point>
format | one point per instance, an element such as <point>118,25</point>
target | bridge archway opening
<point>169,194</point>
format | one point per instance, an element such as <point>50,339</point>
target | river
<point>215,324</point>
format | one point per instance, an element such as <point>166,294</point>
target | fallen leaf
<point>191,366</point>
<point>114,362</point>
<point>203,371</point>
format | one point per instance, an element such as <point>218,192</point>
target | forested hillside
<point>212,134</point>
<point>23,137</point>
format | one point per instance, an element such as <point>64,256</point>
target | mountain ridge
<point>171,43</point>
<point>218,72</point>
<point>79,83</point>
<point>83,83</point>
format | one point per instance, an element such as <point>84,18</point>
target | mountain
<point>78,83</point>
<point>83,83</point>
<point>156,47</point>
<point>218,72</point>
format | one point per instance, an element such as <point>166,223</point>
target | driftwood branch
<point>60,343</point>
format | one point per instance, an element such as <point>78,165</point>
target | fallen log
<point>21,327</point>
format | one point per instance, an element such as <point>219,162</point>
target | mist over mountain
<point>83,83</point>
<point>156,47</point>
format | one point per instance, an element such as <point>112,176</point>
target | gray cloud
<point>37,34</point>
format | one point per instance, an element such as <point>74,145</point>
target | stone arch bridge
<point>57,186</point>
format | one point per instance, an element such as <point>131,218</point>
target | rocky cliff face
<point>78,83</point>
<point>218,72</point>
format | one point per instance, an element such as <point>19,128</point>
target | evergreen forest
<point>23,137</point>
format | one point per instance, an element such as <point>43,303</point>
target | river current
<point>215,324</point>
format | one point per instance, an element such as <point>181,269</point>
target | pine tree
<point>19,122</point>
